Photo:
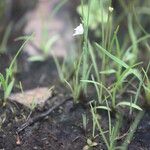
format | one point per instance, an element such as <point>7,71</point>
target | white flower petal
<point>111,9</point>
<point>78,30</point>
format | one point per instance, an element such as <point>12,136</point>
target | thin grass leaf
<point>36,58</point>
<point>117,60</point>
<point>103,107</point>
<point>133,38</point>
<point>138,41</point>
<point>138,20</point>
<point>96,122</point>
<point>58,7</point>
<point>59,68</point>
<point>69,85</point>
<point>92,54</point>
<point>2,82</point>
<point>132,130</point>
<point>24,38</point>
<point>98,90</point>
<point>20,49</point>
<point>50,42</point>
<point>100,84</point>
<point>9,89</point>
<point>120,62</point>
<point>110,71</point>
<point>129,104</point>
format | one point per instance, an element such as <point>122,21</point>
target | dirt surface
<point>142,134</point>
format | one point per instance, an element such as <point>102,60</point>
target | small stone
<point>37,96</point>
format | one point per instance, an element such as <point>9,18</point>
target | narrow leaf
<point>130,105</point>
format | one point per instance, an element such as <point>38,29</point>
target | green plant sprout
<point>66,68</point>
<point>114,105</point>
<point>78,88</point>
<point>7,81</point>
<point>110,137</point>
<point>90,144</point>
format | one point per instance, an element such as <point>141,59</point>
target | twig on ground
<point>41,116</point>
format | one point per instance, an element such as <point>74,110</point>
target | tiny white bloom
<point>111,9</point>
<point>78,30</point>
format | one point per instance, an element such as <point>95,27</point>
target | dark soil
<point>142,135</point>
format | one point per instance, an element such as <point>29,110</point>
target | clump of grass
<point>81,68</point>
<point>7,80</point>
<point>116,57</point>
<point>111,136</point>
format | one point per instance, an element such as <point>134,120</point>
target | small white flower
<point>111,9</point>
<point>78,30</point>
